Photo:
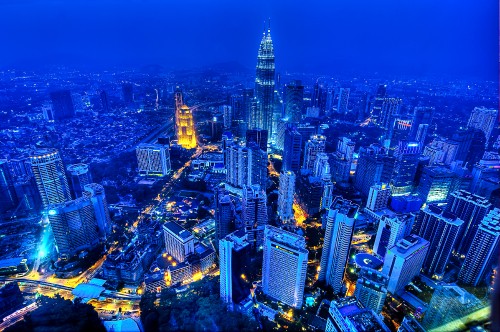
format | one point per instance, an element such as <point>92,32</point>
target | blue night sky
<point>450,37</point>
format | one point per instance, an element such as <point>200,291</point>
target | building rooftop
<point>177,230</point>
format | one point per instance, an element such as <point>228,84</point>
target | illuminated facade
<point>371,289</point>
<point>284,267</point>
<point>80,176</point>
<point>50,178</point>
<point>153,159</point>
<point>390,231</point>
<point>407,155</point>
<point>97,196</point>
<point>262,116</point>
<point>186,136</point>
<point>315,145</point>
<point>285,196</point>
<point>178,242</point>
<point>254,214</point>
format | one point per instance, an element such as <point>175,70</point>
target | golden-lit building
<point>186,136</point>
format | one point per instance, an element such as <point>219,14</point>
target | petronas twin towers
<point>262,114</point>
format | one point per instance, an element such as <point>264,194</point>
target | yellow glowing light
<point>169,258</point>
<point>318,268</point>
<point>174,264</point>
<point>243,276</point>
<point>197,276</point>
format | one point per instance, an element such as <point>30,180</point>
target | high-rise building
<point>378,197</point>
<point>292,150</point>
<point>234,259</point>
<point>471,209</point>
<point>483,251</point>
<point>347,314</point>
<point>485,120</point>
<point>224,214</point>
<point>422,120</point>
<point>74,226</point>
<point>265,85</point>
<point>390,230</point>
<point>246,165</point>
<point>342,159</point>
<point>403,261</point>
<point>80,176</point>
<point>294,101</point>
<point>227,116</point>
<point>343,100</point>
<point>376,105</point>
<point>284,268</point>
<point>315,145</point>
<point>101,211</point>
<point>391,108</point>
<point>62,105</point>
<point>407,156</point>
<point>128,92</point>
<point>153,159</point>
<point>186,135</point>
<point>257,136</point>
<point>371,289</point>
<point>179,242</point>
<point>322,167</point>
<point>441,151</point>
<point>50,178</point>
<point>8,196</point>
<point>285,196</point>
<point>338,235</point>
<point>463,137</point>
<point>399,129</point>
<point>410,324</point>
<point>441,229</point>
<point>435,184</point>
<point>254,214</point>
<point>374,166</point>
<point>449,303</point>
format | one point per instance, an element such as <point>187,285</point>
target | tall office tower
<point>449,303</point>
<point>390,230</point>
<point>101,211</point>
<point>343,100</point>
<point>285,196</point>
<point>254,214</point>
<point>410,324</point>
<point>485,174</point>
<point>435,184</point>
<point>374,166</point>
<point>104,101</point>
<point>314,145</point>
<point>471,209</point>
<point>405,167</point>
<point>227,141</point>
<point>485,120</point>
<point>257,136</point>
<point>347,314</point>
<point>422,118</point>
<point>80,176</point>
<point>327,196</point>
<point>399,129</point>
<point>371,289</point>
<point>239,121</point>
<point>8,197</point>
<point>227,116</point>
<point>282,126</point>
<point>246,166</point>
<point>391,108</point>
<point>441,151</point>
<point>284,267</point>
<point>224,214</point>
<point>294,101</point>
<point>264,85</point>
<point>330,99</point>
<point>186,135</point>
<point>483,252</point>
<point>257,166</point>
<point>292,150</point>
<point>74,226</point>
<point>378,197</point>
<point>441,229</point>
<point>48,170</point>
<point>249,108</point>
<point>342,159</point>
<point>403,262</point>
<point>179,242</point>
<point>322,167</point>
<point>234,259</point>
<point>376,104</point>
<point>62,105</point>
<point>463,137</point>
<point>178,98</point>
<point>339,229</point>
<point>318,96</point>
<point>20,167</point>
<point>128,92</point>
<point>153,159</point>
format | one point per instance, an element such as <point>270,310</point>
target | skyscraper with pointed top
<point>264,85</point>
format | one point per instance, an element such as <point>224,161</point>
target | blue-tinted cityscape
<point>263,166</point>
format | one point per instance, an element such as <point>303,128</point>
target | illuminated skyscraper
<point>374,166</point>
<point>98,198</point>
<point>391,107</point>
<point>338,236</point>
<point>403,261</point>
<point>314,145</point>
<point>285,196</point>
<point>153,159</point>
<point>186,135</point>
<point>264,86</point>
<point>485,120</point>
<point>407,155</point>
<point>441,229</point>
<point>292,150</point>
<point>371,288</point>
<point>343,100</point>
<point>390,231</point>
<point>224,213</point>
<point>422,119</point>
<point>294,101</point>
<point>179,242</point>
<point>347,314</point>
<point>48,170</point>
<point>74,226</point>
<point>378,197</point>
<point>342,159</point>
<point>435,184</point>
<point>284,268</point>
<point>257,136</point>
<point>254,214</point>
<point>80,176</point>
<point>471,209</point>
<point>483,252</point>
